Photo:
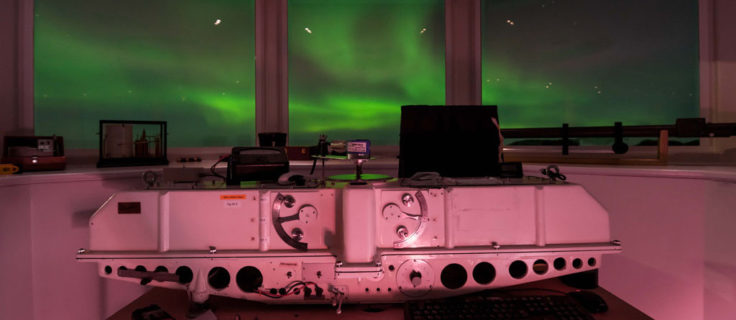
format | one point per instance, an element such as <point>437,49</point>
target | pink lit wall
<point>676,225</point>
<point>43,221</point>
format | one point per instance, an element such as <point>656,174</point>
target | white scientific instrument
<point>371,243</point>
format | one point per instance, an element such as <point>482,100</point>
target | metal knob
<point>297,234</point>
<point>289,201</point>
<point>407,200</point>
<point>416,278</point>
<point>402,232</point>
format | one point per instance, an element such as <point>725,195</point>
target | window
<point>187,62</point>
<point>590,62</point>
<point>353,64</point>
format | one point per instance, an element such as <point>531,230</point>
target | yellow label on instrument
<point>232,197</point>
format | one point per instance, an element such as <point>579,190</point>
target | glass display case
<point>132,143</point>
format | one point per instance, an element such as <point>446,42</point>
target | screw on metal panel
<point>495,245</point>
<point>81,251</point>
<point>213,249</point>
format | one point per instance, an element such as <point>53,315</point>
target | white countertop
<point>88,172</point>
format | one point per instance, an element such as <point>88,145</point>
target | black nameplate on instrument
<point>129,207</point>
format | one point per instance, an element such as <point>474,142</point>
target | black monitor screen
<point>455,141</point>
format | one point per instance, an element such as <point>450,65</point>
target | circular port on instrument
<point>484,273</point>
<point>577,263</point>
<point>453,276</point>
<point>560,264</point>
<point>108,269</point>
<point>161,269</point>
<point>121,268</point>
<point>218,278</point>
<point>185,274</point>
<point>591,262</point>
<point>249,279</point>
<point>540,267</point>
<point>391,267</point>
<point>518,269</point>
<point>140,268</point>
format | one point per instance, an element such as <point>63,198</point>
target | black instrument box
<point>256,164</point>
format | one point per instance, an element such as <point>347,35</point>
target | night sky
<point>352,64</point>
<point>590,62</point>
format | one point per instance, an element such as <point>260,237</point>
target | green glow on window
<point>146,60</point>
<point>590,62</point>
<point>353,64</point>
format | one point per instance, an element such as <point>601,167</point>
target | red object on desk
<point>34,153</point>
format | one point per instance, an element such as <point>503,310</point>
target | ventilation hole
<point>185,274</point>
<point>389,289</point>
<point>249,279</point>
<point>108,269</point>
<point>518,269</point>
<point>391,267</point>
<point>140,268</point>
<point>484,273</point>
<point>577,263</point>
<point>366,289</point>
<point>540,266</point>
<point>591,262</point>
<point>378,289</point>
<point>560,263</point>
<point>453,276</point>
<point>218,278</point>
<point>121,268</point>
<point>161,269</point>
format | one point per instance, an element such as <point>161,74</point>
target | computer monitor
<point>455,141</point>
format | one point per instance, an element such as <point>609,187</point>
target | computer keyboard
<point>491,307</point>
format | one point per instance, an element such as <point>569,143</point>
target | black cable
<point>212,169</point>
<point>321,150</point>
<point>314,165</point>
<point>553,173</point>
<point>288,289</point>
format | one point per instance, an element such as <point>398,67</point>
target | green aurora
<point>352,64</point>
<point>146,60</point>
